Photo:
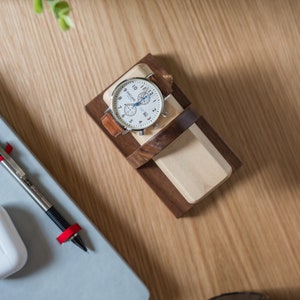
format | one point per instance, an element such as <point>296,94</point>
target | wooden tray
<point>188,169</point>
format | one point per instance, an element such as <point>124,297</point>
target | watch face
<point>136,103</point>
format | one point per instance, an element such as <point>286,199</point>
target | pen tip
<point>78,242</point>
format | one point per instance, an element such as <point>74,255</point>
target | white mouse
<point>13,253</point>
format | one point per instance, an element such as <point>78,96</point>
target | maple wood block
<point>187,169</point>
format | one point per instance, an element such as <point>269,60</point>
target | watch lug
<point>149,75</point>
<point>167,97</point>
<point>125,131</point>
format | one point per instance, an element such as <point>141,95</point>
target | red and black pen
<point>69,232</point>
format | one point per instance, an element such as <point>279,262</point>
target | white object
<point>13,253</point>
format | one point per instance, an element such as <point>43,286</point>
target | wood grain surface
<point>238,62</point>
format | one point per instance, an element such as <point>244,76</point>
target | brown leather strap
<point>163,138</point>
<point>164,82</point>
<point>111,125</point>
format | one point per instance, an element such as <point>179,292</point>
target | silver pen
<point>16,171</point>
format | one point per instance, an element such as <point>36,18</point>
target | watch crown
<point>141,132</point>
<point>164,114</point>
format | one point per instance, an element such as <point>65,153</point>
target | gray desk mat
<point>56,271</point>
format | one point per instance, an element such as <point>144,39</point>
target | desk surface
<point>238,62</point>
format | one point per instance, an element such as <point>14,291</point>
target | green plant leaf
<point>60,8</point>
<point>38,6</point>
<point>64,11</point>
<point>68,21</point>
<point>65,23</point>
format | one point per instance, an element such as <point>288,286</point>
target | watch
<point>136,104</point>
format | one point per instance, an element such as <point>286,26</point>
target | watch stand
<point>181,158</point>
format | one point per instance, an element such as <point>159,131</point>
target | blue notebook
<point>56,271</point>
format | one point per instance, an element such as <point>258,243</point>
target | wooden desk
<point>238,62</point>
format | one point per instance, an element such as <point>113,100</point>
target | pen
<point>15,170</point>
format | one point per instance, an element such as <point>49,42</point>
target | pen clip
<point>18,170</point>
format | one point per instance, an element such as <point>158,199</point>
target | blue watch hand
<point>139,102</point>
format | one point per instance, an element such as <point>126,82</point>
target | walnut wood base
<point>150,171</point>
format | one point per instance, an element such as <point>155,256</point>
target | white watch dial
<point>137,103</point>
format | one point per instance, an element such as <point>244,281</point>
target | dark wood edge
<point>220,145</point>
<point>164,189</point>
<point>163,138</point>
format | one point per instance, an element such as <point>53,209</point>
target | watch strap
<point>164,82</point>
<point>111,124</point>
<point>163,138</point>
